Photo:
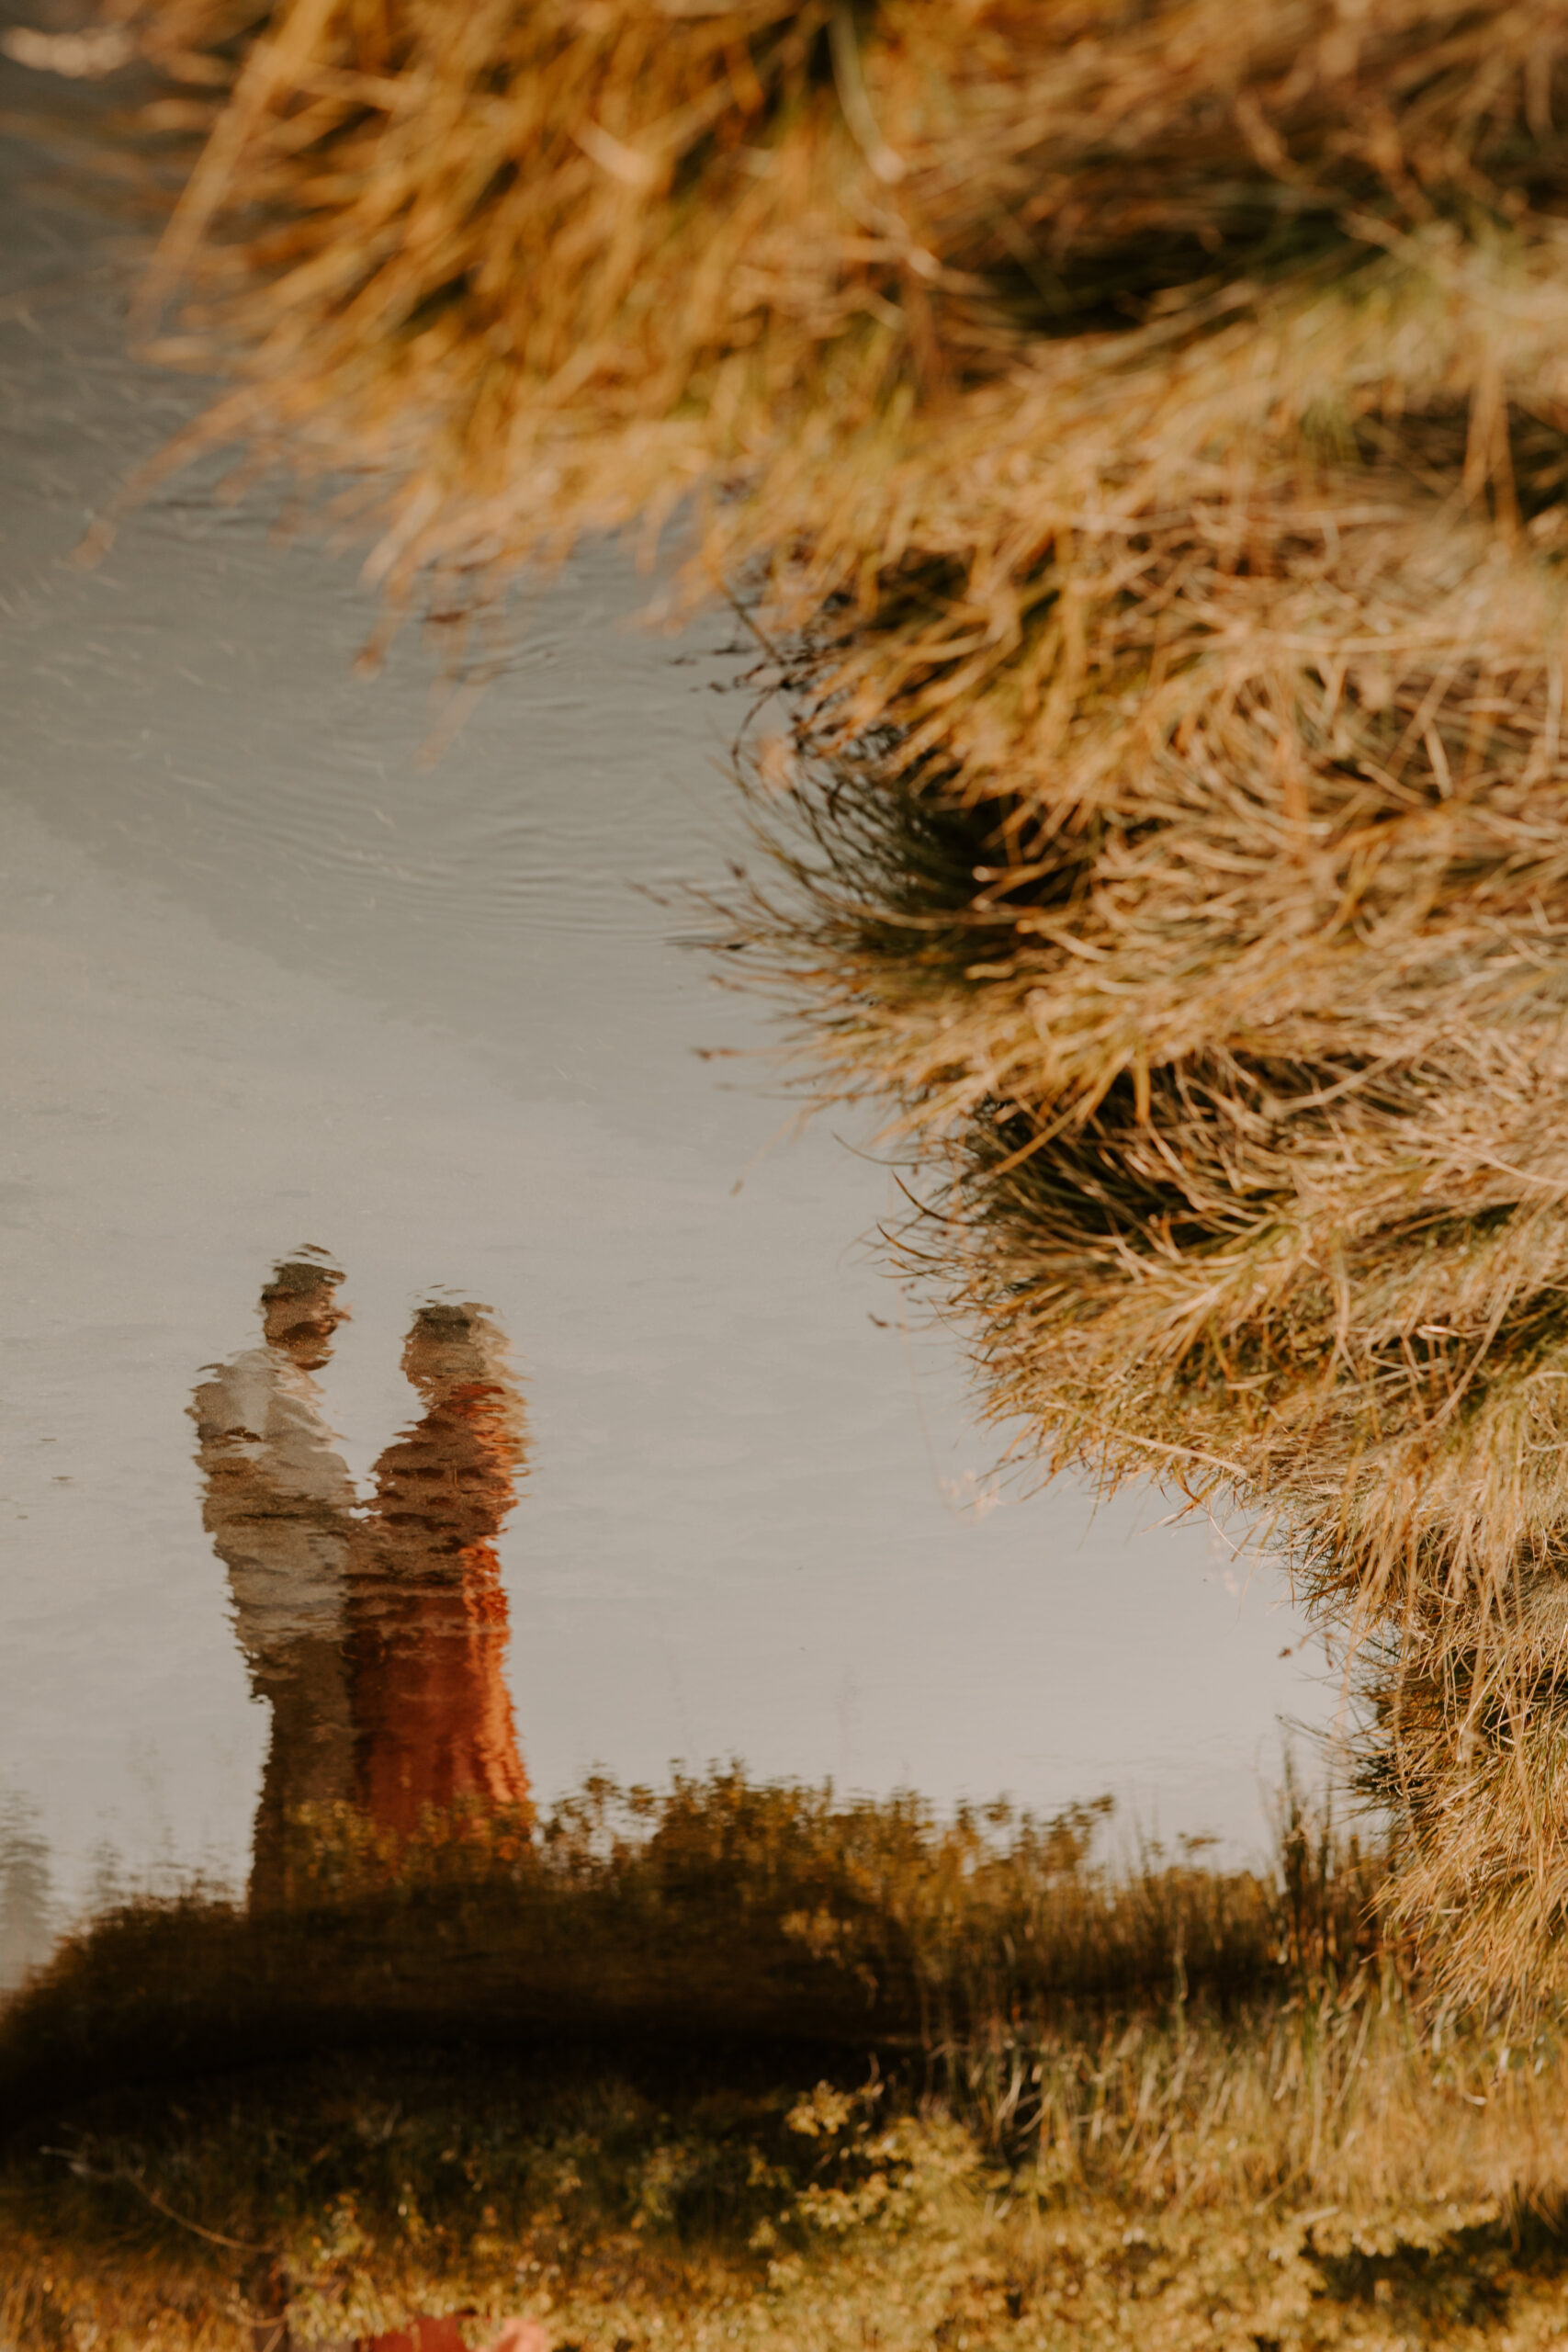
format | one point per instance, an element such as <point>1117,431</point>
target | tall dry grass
<point>1143,431</point>
<point>992,290</point>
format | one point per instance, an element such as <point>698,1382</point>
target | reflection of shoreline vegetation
<point>1312,1280</point>
<point>28,1925</point>
<point>1143,427</point>
<point>1055,2102</point>
<point>719,1907</point>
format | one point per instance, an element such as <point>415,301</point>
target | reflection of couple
<point>376,1635</point>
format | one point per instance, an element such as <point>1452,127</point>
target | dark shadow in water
<point>376,1636</point>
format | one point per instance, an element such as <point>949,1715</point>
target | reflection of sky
<point>269,980</point>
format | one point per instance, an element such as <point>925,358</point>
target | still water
<point>434,1368</point>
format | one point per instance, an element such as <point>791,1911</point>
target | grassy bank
<point>1212,2191</point>
<point>736,2063</point>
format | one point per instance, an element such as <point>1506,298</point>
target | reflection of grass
<point>717,1907</point>
<point>1143,428</point>
<point>1053,2103</point>
<point>1270,1219</point>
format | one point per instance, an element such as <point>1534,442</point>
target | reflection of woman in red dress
<point>426,1614</point>
<point>427,1629</point>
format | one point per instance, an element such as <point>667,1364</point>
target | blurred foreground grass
<point>737,2064</point>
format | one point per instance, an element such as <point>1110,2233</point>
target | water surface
<point>275,983</point>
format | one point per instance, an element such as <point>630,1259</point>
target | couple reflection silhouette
<point>376,1632</point>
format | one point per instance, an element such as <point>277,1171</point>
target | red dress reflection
<point>426,1614</point>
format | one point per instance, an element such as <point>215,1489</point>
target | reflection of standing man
<point>278,1504</point>
<point>426,1613</point>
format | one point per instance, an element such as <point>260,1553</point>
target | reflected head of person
<point>301,1311</point>
<point>450,1347</point>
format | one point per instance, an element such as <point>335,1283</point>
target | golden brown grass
<point>811,2216</point>
<point>977,286</point>
<point>1144,432</point>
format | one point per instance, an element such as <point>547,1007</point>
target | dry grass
<point>1146,430</point>
<point>1277,1265</point>
<point>989,286</point>
<point>814,2216</point>
<point>1272,1266</point>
